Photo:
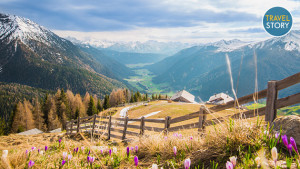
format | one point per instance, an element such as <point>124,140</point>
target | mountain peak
<point>13,27</point>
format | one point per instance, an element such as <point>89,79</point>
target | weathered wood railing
<point>104,125</point>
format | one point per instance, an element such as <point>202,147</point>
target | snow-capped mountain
<point>228,45</point>
<point>151,46</point>
<point>19,28</point>
<point>35,56</point>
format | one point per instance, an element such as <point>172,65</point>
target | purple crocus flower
<point>88,159</point>
<point>175,150</point>
<point>136,161</point>
<point>136,149</point>
<point>290,148</point>
<point>89,152</point>
<point>187,163</point>
<point>229,165</point>
<point>92,159</point>
<point>82,148</point>
<point>101,151</point>
<point>63,162</point>
<point>191,137</point>
<point>293,143</point>
<point>285,140</point>
<point>132,148</point>
<point>109,152</point>
<point>46,148</point>
<point>277,135</point>
<point>59,141</point>
<point>26,153</point>
<point>69,157</point>
<point>127,150</point>
<point>33,148</point>
<point>77,150</point>
<point>30,164</point>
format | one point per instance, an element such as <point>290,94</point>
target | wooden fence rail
<point>107,124</point>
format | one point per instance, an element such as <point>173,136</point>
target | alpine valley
<point>37,59</point>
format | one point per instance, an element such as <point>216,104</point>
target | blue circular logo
<point>277,21</point>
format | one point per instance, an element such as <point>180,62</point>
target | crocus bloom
<point>41,152</point>
<point>92,159</point>
<point>293,142</point>
<point>69,157</point>
<point>38,150</point>
<point>276,135</point>
<point>175,150</point>
<point>136,149</point>
<point>191,137</point>
<point>4,153</point>
<point>166,138</point>
<point>180,135</point>
<point>229,165</point>
<point>101,151</point>
<point>77,150</point>
<point>290,148</point>
<point>33,148</point>
<point>274,154</point>
<point>132,148</point>
<point>88,159</point>
<point>136,160</point>
<point>257,160</point>
<point>285,140</point>
<point>30,164</point>
<point>46,148</point>
<point>109,152</point>
<point>89,152</point>
<point>26,152</point>
<point>82,148</point>
<point>63,162</point>
<point>127,151</point>
<point>187,163</point>
<point>115,150</point>
<point>233,160</point>
<point>154,166</point>
<point>59,141</point>
<point>266,132</point>
<point>65,155</point>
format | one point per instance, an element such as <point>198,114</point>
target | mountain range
<point>203,71</point>
<point>33,55</point>
<point>150,46</point>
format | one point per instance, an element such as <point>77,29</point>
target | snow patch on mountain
<point>14,28</point>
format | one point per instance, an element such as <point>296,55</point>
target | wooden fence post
<point>167,124</point>
<point>78,124</point>
<point>109,126</point>
<point>125,128</point>
<point>202,119</point>
<point>142,126</point>
<point>271,110</point>
<point>94,123</point>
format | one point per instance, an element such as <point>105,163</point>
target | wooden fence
<point>103,125</point>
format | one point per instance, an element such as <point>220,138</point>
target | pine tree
<point>106,104</point>
<point>92,108</point>
<point>159,97</point>
<point>153,97</point>
<point>146,97</point>
<point>99,106</point>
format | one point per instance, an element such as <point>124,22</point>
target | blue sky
<point>162,20</point>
